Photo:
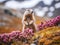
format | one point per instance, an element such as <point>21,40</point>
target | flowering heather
<point>15,35</point>
<point>50,23</point>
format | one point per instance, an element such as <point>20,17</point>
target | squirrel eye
<point>32,12</point>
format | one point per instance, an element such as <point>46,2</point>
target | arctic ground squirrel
<point>28,20</point>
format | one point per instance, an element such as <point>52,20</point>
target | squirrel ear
<point>27,9</point>
<point>31,11</point>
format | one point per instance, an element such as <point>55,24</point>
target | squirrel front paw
<point>26,23</point>
<point>30,22</point>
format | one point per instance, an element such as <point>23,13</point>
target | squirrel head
<point>28,14</point>
<point>28,11</point>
